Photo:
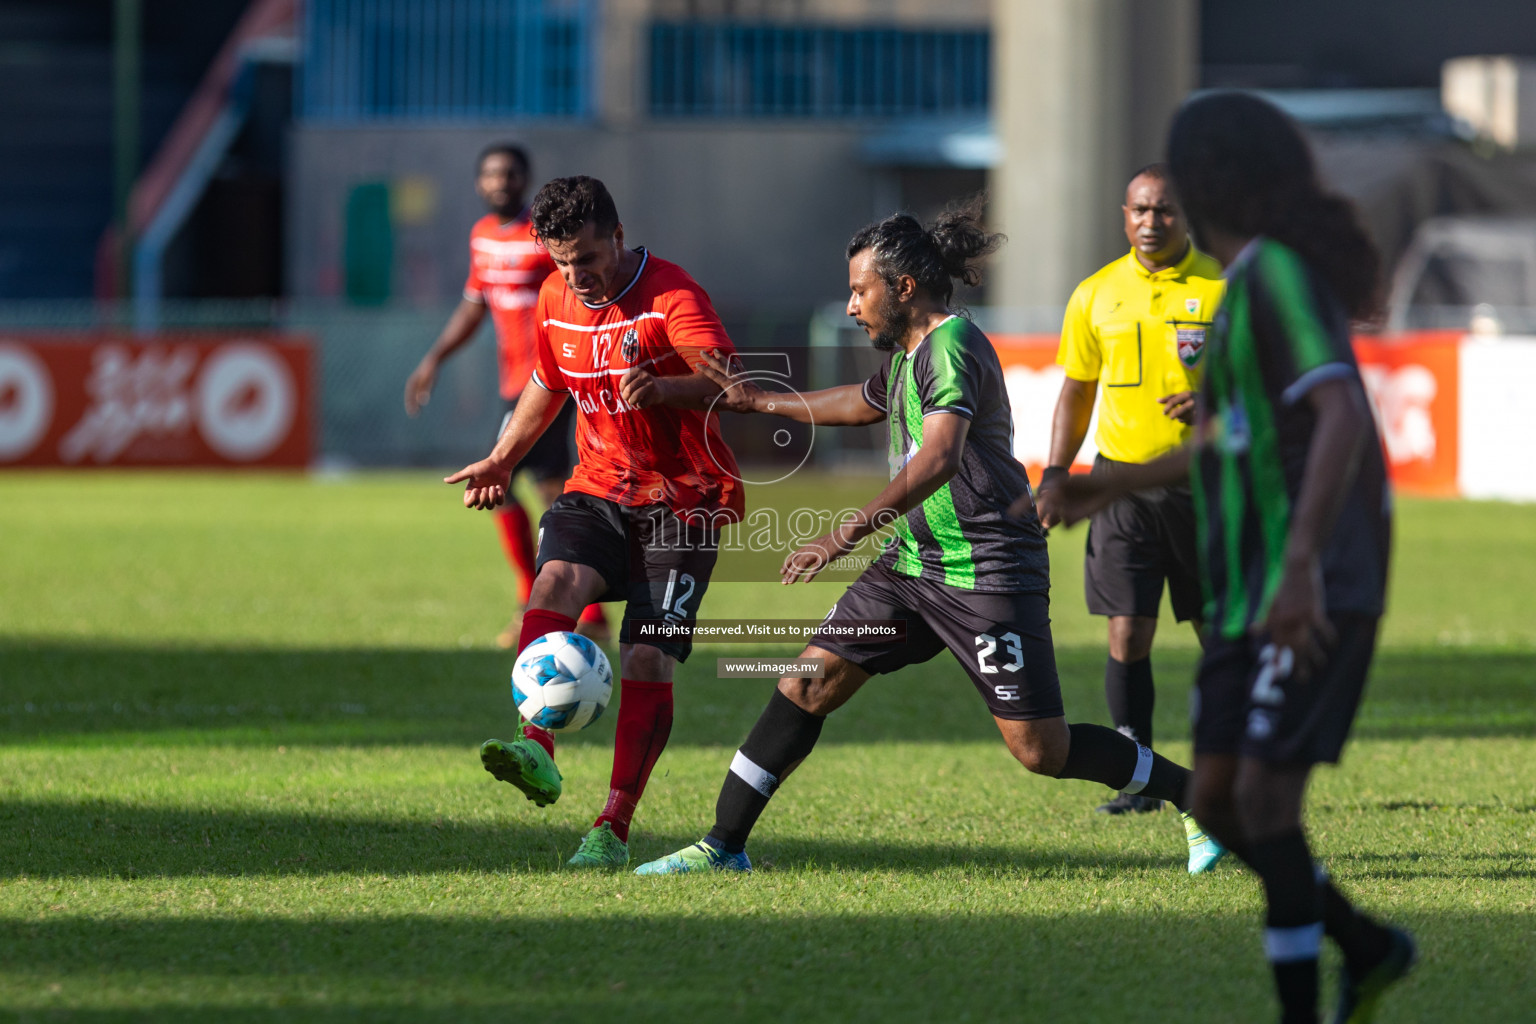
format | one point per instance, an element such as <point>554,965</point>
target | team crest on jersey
<point>629,347</point>
<point>1191,340</point>
<point>1192,307</point>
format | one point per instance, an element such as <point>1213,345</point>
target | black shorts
<point>644,553</point>
<point>1137,543</point>
<point>550,457</point>
<point>1248,703</point>
<point>1003,641</point>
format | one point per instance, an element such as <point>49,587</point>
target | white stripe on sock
<point>1287,945</point>
<point>1143,771</point>
<point>748,771</point>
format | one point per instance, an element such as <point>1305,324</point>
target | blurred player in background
<point>1132,338</point>
<point>622,333</point>
<point>959,571</point>
<point>506,268</point>
<point>1295,522</point>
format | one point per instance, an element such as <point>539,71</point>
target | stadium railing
<point>723,69</point>
<point>429,60</point>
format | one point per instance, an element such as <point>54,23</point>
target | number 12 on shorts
<point>679,591</point>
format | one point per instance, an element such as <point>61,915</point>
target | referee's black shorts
<point>550,457</point>
<point>1137,543</point>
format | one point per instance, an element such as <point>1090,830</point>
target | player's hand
<point>1179,406</point>
<point>806,563</point>
<point>736,394</point>
<point>485,483</point>
<point>1022,505</point>
<point>642,388</point>
<point>1071,499</point>
<point>418,386</point>
<point>1298,617</point>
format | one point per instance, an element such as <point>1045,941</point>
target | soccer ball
<point>562,682</point>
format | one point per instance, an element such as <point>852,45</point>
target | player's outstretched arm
<point>643,390</point>
<point>486,482</point>
<point>461,326</point>
<point>932,467</point>
<point>831,407</point>
<point>1075,497</point>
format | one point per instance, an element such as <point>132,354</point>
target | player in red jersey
<point>623,333</point>
<point>506,268</point>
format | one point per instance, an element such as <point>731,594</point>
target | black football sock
<point>1364,942</point>
<point>1100,754</point>
<point>1293,921</point>
<point>1128,689</point>
<point>781,739</point>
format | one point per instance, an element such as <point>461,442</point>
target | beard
<point>509,209</point>
<point>896,322</point>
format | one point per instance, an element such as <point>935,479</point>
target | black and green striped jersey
<point>960,535</point>
<point>1280,332</point>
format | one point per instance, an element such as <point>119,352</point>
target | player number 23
<point>1012,647</point>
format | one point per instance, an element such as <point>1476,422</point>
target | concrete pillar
<point>622,69</point>
<point>1082,94</point>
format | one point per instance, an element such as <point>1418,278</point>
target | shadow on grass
<point>49,839</point>
<point>1093,964</point>
<point>67,693</point>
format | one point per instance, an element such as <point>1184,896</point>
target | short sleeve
<point>546,372</point>
<point>1315,342</point>
<point>875,387</point>
<point>953,372</point>
<point>693,326</point>
<point>474,288</point>
<point>1079,353</point>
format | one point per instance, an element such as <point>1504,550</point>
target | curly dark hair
<point>1242,166</point>
<point>934,257</point>
<point>564,205</point>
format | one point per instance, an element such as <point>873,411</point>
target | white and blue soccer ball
<point>562,682</point>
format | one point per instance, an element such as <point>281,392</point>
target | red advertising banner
<point>169,400</point>
<point>1414,383</point>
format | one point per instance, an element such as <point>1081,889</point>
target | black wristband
<point>1052,473</point>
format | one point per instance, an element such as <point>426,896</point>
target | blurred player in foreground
<point>506,268</point>
<point>958,572</point>
<point>623,334</point>
<point>1295,522</point>
<point>1131,340</point>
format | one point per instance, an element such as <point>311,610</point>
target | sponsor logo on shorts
<point>1261,724</point>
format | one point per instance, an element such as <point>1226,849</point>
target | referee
<point>1133,338</point>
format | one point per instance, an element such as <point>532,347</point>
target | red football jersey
<point>506,268</point>
<point>661,455</point>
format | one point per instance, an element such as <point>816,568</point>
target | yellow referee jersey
<point>1141,336</point>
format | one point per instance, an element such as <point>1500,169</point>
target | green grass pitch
<point>238,782</point>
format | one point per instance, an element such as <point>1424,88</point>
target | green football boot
<point>698,857</point>
<point>1204,852</point>
<point>600,848</point>
<point>1358,996</point>
<point>526,765</point>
